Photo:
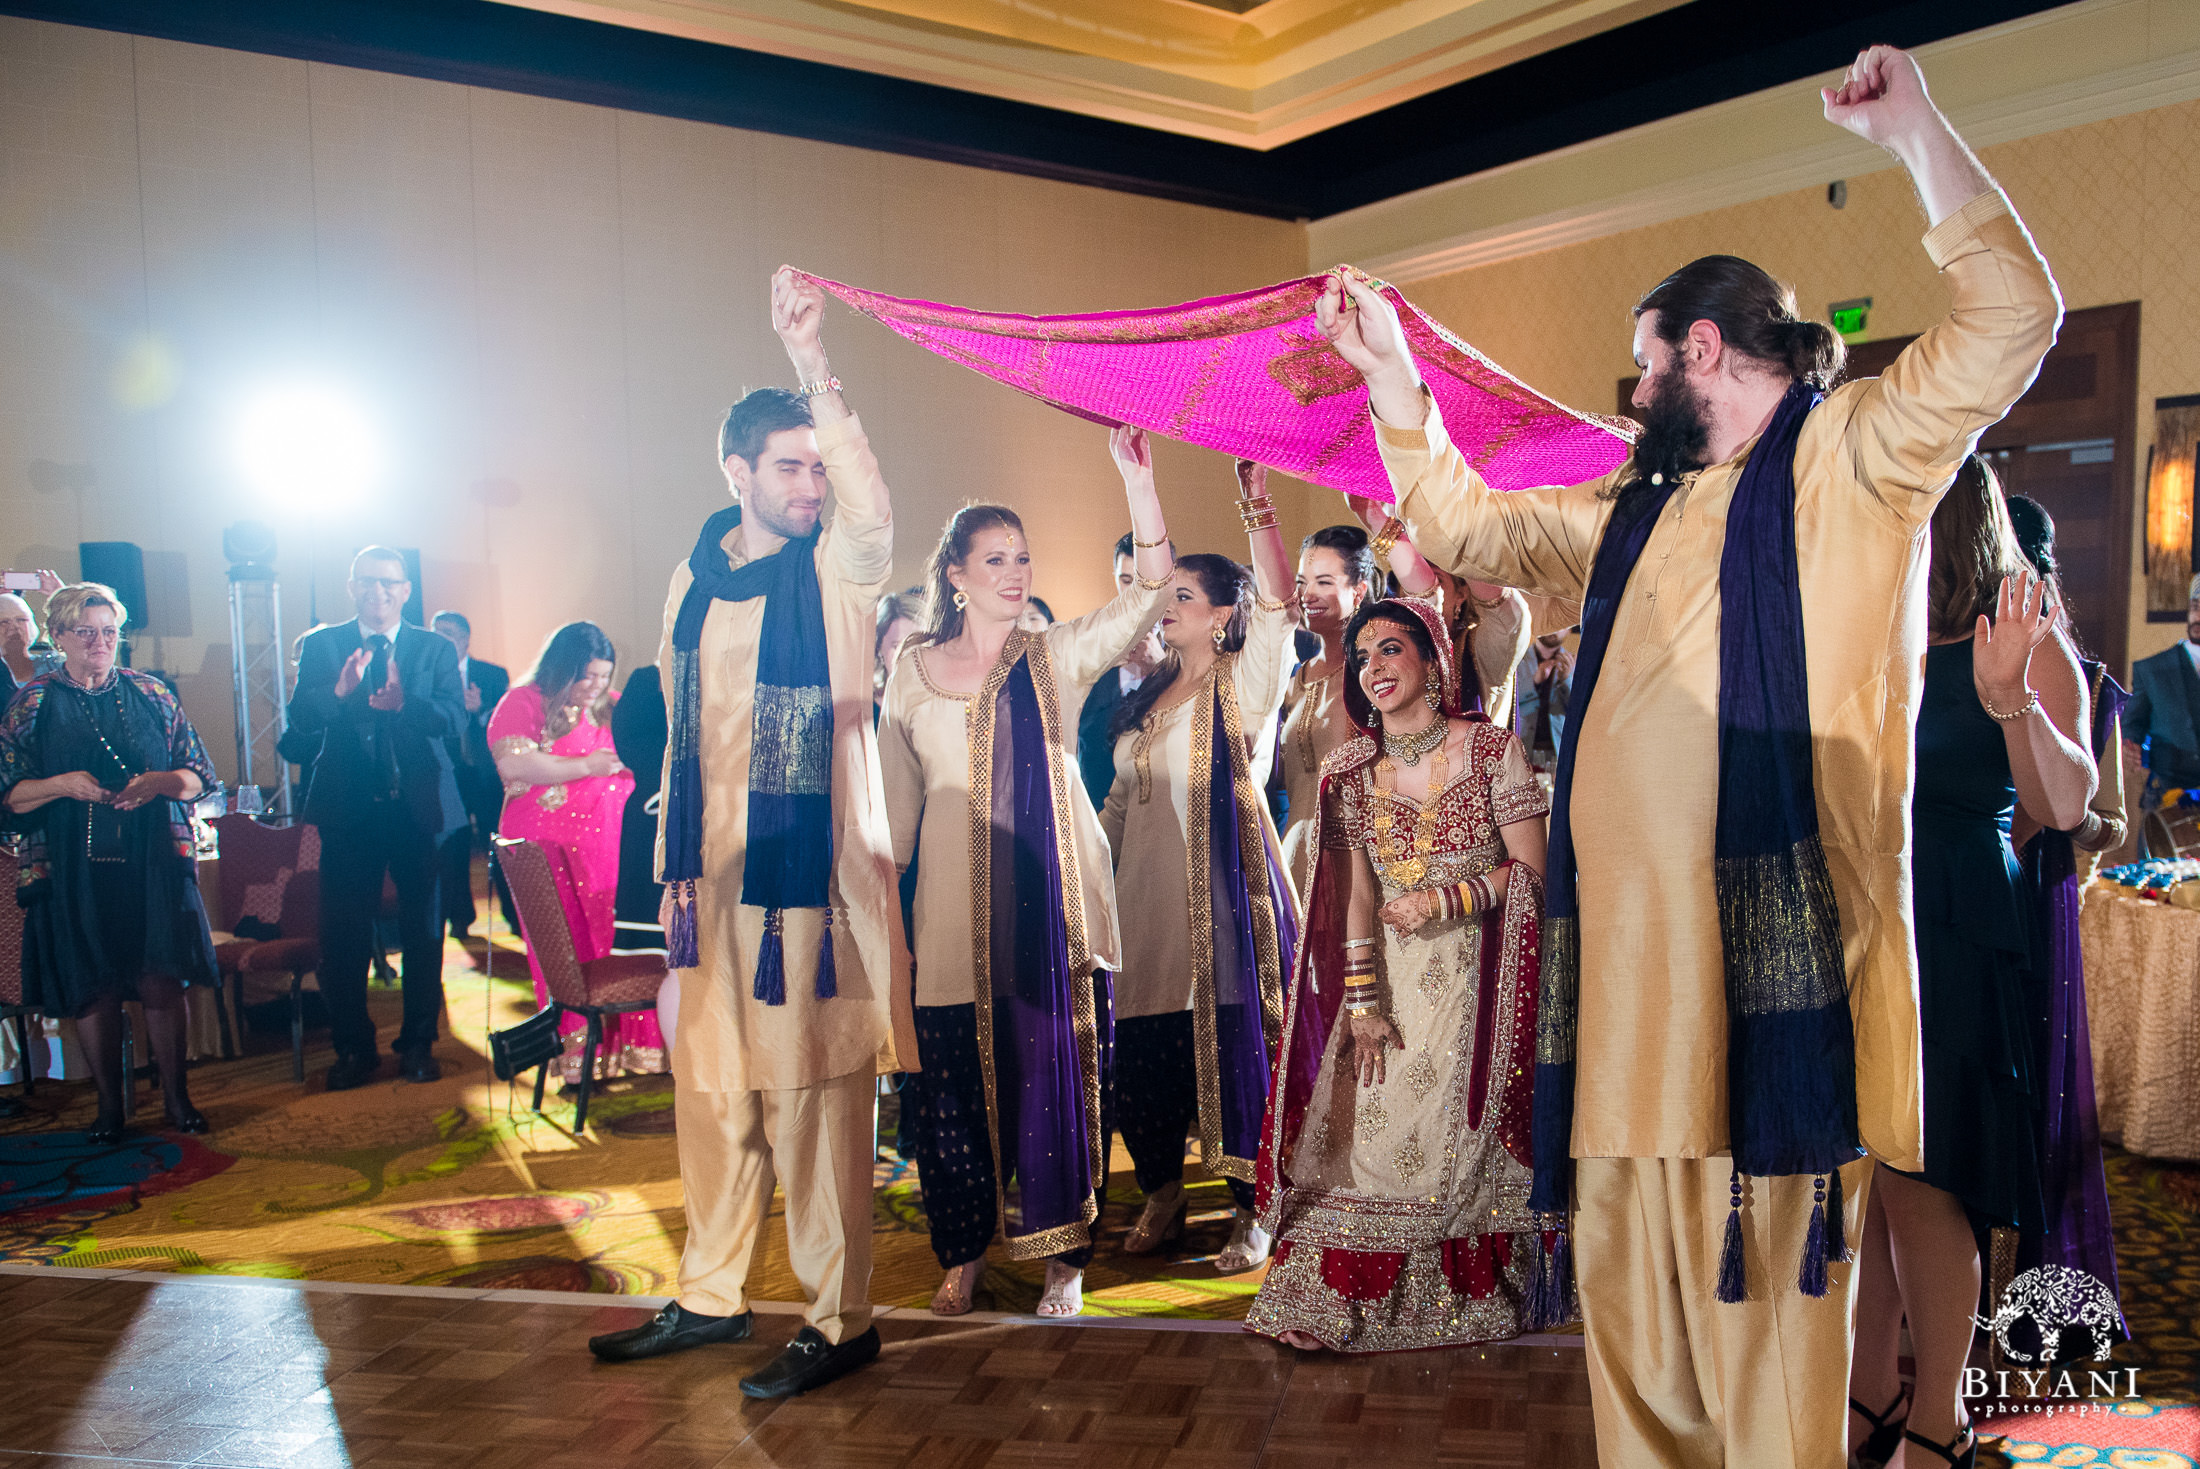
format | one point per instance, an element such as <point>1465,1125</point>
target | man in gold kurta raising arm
<point>781,1090</point>
<point>1677,1378</point>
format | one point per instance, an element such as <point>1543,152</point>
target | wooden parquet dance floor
<point>106,1368</point>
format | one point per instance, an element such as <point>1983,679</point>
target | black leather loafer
<point>674,1329</point>
<point>810,1361</point>
<point>351,1072</point>
<point>419,1065</point>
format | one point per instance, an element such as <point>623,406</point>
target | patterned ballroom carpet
<point>458,1183</point>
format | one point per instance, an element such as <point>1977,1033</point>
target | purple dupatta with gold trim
<point>1038,1038</point>
<point>1237,1013</point>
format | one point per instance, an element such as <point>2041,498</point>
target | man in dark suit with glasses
<point>383,697</point>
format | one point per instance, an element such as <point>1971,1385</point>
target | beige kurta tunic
<point>1314,723</point>
<point>1145,826</point>
<point>727,1041</point>
<point>1871,465</point>
<point>924,758</point>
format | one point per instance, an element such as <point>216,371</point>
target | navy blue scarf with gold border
<point>789,861</point>
<point>1791,1060</point>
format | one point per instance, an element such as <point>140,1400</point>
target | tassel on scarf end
<point>828,981</point>
<point>1535,1290</point>
<point>1837,1234</point>
<point>1812,1279</point>
<point>1733,1277</point>
<point>680,945</point>
<point>1548,1299</point>
<point>771,963</point>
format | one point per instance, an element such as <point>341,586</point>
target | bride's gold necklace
<point>1406,867</point>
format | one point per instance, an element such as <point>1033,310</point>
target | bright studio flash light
<point>307,446</point>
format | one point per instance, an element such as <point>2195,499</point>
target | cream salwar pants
<point>816,1142</point>
<point>1678,1380</point>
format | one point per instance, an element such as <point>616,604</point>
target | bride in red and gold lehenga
<point>1394,1157</point>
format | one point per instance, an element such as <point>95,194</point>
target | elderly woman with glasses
<point>97,769</point>
<point>21,659</point>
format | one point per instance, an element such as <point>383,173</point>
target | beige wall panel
<point>543,307</point>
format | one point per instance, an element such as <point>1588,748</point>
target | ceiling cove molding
<point>1359,235</point>
<point>1207,90</point>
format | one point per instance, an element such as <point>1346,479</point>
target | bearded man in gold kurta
<point>780,880</point>
<point>1677,1376</point>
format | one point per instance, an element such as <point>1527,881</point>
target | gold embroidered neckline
<point>1010,652</point>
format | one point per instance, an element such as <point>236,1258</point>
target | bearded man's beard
<point>1676,432</point>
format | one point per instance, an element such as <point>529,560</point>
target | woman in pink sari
<point>565,790</point>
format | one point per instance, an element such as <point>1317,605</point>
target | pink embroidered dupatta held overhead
<point>1251,375</point>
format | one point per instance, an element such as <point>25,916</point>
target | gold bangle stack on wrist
<point>1258,512</point>
<point>1386,539</point>
<point>1469,899</point>
<point>1361,997</point>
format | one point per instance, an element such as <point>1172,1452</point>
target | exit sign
<point>1849,317</point>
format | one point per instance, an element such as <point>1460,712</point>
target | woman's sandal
<point>1065,1292</point>
<point>1248,1249</point>
<point>1160,1223</point>
<point>959,1291</point>
<point>1878,1450</point>
<point>1302,1341</point>
<point>1967,1438</point>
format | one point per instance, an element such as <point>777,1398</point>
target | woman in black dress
<point>97,767</point>
<point>2002,724</point>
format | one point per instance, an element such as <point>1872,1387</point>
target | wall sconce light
<point>2169,549</point>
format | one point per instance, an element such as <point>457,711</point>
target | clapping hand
<point>2001,650</point>
<point>391,696</point>
<point>354,669</point>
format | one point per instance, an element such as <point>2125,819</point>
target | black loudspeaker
<point>121,565</point>
<point>416,606</point>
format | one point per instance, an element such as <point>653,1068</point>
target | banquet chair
<point>12,1007</point>
<point>615,984</point>
<point>270,874</point>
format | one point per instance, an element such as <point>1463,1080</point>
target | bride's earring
<point>1433,701</point>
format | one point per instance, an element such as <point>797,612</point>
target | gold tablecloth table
<point>2142,981</point>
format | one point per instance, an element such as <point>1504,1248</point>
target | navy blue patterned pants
<point>1157,1098</point>
<point>943,1127</point>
